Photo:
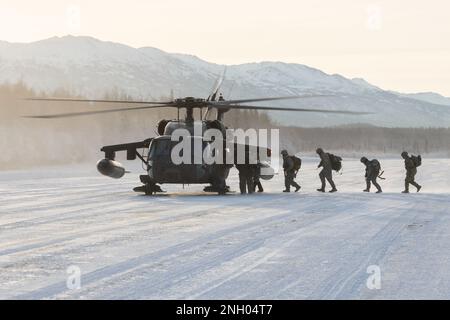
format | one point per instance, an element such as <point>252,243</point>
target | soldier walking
<point>289,172</point>
<point>373,169</point>
<point>246,184</point>
<point>257,177</point>
<point>326,172</point>
<point>411,164</point>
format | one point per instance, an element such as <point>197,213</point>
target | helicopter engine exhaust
<point>110,168</point>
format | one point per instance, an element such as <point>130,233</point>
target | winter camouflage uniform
<point>289,172</point>
<point>411,171</point>
<point>327,171</point>
<point>372,172</point>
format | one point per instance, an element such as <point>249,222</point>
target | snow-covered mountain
<point>431,97</point>
<point>90,67</point>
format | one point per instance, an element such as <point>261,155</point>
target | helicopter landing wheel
<point>222,188</point>
<point>224,191</point>
<point>148,189</point>
<point>214,188</point>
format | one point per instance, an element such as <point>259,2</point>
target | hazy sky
<point>398,44</point>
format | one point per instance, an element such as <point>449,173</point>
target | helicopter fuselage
<point>161,168</point>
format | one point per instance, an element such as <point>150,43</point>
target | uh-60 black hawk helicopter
<point>159,165</point>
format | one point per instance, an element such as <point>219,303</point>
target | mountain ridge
<point>89,67</point>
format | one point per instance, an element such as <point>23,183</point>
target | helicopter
<point>156,151</point>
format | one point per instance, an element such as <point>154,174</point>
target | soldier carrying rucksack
<point>256,171</point>
<point>328,162</point>
<point>291,165</point>
<point>411,164</point>
<point>373,169</point>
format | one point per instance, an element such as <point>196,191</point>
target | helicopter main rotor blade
<point>217,85</point>
<point>237,106</point>
<point>227,102</point>
<point>76,114</point>
<point>99,101</point>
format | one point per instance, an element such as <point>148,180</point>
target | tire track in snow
<point>194,244</point>
<point>185,215</point>
<point>133,263</point>
<point>26,199</point>
<point>91,210</point>
<point>277,247</point>
<point>341,284</point>
<point>197,268</point>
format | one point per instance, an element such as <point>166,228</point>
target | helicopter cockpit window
<point>160,148</point>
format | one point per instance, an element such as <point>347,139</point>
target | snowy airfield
<point>190,245</point>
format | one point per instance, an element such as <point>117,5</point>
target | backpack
<point>336,162</point>
<point>417,160</point>
<point>375,165</point>
<point>297,163</point>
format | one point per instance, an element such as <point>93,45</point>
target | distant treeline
<point>370,139</point>
<point>25,141</point>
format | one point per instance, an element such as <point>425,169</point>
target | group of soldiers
<point>326,174</point>
<point>249,178</point>
<point>249,175</point>
<point>330,162</point>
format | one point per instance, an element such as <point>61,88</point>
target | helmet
<point>404,154</point>
<point>364,159</point>
<point>284,152</point>
<point>319,150</point>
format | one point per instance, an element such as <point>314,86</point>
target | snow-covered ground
<point>186,244</point>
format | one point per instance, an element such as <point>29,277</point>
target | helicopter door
<point>159,161</point>
<point>163,170</point>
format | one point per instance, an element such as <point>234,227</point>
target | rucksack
<point>297,163</point>
<point>417,160</point>
<point>336,162</point>
<point>376,166</point>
